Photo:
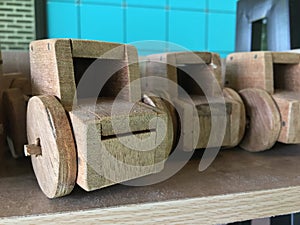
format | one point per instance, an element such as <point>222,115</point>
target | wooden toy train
<point>82,130</point>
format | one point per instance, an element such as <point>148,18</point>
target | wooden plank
<point>238,186</point>
<point>285,58</point>
<point>52,70</point>
<point>96,49</point>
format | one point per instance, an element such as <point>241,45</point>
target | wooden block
<point>289,106</point>
<point>167,64</point>
<point>269,71</point>
<point>57,65</point>
<point>205,112</point>
<point>250,70</point>
<point>107,156</point>
<point>285,58</point>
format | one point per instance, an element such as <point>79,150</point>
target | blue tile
<point>106,2</point>
<point>159,3</point>
<point>62,1</point>
<point>62,20</point>
<point>221,32</point>
<point>145,24</point>
<point>187,29</point>
<point>102,22</point>
<point>145,52</point>
<point>225,5</point>
<point>188,4</point>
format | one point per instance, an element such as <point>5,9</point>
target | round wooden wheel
<point>166,107</point>
<point>15,120</point>
<point>233,95</point>
<point>264,121</point>
<point>51,146</point>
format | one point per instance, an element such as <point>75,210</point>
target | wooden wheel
<point>166,107</point>
<point>15,120</point>
<point>51,146</point>
<point>264,122</point>
<point>233,95</point>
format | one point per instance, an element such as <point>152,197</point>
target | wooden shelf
<point>238,186</point>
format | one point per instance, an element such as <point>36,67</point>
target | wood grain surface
<point>264,120</point>
<point>237,118</point>
<point>288,103</point>
<point>108,139</point>
<point>238,186</point>
<point>48,127</point>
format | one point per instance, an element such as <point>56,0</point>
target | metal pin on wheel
<point>147,100</point>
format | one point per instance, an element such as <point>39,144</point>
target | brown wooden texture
<point>278,74</point>
<point>53,61</point>
<point>109,137</point>
<point>200,75</point>
<point>264,123</point>
<point>238,186</point>
<point>166,65</point>
<point>289,107</point>
<point>49,128</point>
<point>238,119</point>
<point>15,120</point>
<point>250,70</point>
<point>225,111</point>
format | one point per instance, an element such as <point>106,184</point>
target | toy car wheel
<point>51,146</point>
<point>233,95</point>
<point>264,120</point>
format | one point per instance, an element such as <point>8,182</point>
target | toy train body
<point>90,122</point>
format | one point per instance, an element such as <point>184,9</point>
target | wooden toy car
<point>14,92</point>
<point>72,136</point>
<point>182,68</point>
<point>269,83</point>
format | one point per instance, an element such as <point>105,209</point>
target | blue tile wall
<point>101,22</point>
<point>154,3</point>
<point>199,25</point>
<point>187,29</point>
<point>145,24</point>
<point>222,5</point>
<point>62,19</point>
<point>188,4</point>
<point>220,35</point>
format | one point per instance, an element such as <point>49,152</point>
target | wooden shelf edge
<point>218,209</point>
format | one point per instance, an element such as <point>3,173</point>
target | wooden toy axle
<point>33,149</point>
